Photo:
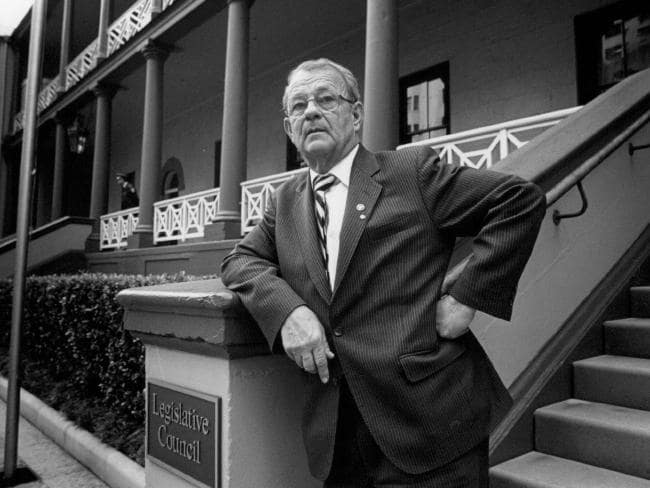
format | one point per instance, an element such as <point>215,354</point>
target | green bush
<point>73,333</point>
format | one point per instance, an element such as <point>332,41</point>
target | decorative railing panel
<point>128,24</point>
<point>256,194</point>
<point>81,65</point>
<point>185,217</point>
<point>485,146</point>
<point>48,94</point>
<point>116,227</point>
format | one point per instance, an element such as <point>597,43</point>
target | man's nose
<point>312,110</point>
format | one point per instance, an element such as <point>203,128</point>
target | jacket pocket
<point>421,364</point>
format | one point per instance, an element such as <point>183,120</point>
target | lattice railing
<point>116,227</point>
<point>256,194</point>
<point>48,94</point>
<point>81,65</point>
<point>185,217</point>
<point>485,146</point>
<point>128,24</point>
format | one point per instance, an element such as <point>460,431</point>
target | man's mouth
<point>313,130</point>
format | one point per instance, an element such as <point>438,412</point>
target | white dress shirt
<point>336,197</point>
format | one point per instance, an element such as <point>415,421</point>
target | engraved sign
<point>183,431</point>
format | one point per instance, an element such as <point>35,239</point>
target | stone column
<point>59,166</point>
<point>381,79</point>
<point>60,134</point>
<point>235,123</point>
<point>149,191</point>
<point>102,35</point>
<point>101,161</point>
<point>64,56</point>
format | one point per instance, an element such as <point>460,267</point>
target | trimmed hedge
<point>73,335</point>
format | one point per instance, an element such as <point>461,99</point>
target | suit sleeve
<point>251,270</point>
<point>502,212</point>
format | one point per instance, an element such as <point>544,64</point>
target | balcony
<point>132,21</point>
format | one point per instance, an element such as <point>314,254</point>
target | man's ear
<point>287,127</point>
<point>357,113</point>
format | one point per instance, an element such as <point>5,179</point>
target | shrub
<point>73,333</point>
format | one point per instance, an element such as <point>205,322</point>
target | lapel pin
<point>362,216</point>
<point>361,207</point>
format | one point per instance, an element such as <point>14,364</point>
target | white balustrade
<point>116,227</point>
<point>256,195</point>
<point>184,217</point>
<point>81,65</point>
<point>483,147</point>
<point>128,24</point>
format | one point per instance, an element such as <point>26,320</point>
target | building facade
<point>184,96</point>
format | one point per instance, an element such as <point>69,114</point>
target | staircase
<point>600,438</point>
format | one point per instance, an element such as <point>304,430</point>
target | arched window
<point>173,181</point>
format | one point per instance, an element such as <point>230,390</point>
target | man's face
<point>323,137</point>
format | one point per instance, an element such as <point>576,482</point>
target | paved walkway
<point>53,466</point>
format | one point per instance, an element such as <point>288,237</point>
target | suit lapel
<point>362,196</point>
<point>305,231</point>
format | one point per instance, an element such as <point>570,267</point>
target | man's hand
<point>303,338</point>
<point>452,317</point>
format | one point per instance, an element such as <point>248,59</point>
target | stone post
<point>381,79</point>
<point>235,123</point>
<point>204,352</point>
<point>101,162</point>
<point>149,191</point>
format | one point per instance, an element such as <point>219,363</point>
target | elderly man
<point>345,273</point>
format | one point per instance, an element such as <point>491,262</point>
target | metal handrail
<point>578,174</point>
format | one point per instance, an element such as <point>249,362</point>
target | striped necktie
<point>321,184</point>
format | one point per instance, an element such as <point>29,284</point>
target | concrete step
<point>628,337</point>
<point>618,380</point>
<point>608,436</point>
<point>538,470</point>
<point>640,301</point>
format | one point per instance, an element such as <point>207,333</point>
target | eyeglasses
<point>327,101</point>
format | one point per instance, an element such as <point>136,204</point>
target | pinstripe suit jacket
<point>424,399</point>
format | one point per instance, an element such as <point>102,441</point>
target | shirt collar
<point>342,169</point>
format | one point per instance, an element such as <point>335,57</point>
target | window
<point>170,185</point>
<point>173,180</point>
<point>424,104</point>
<point>612,43</point>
